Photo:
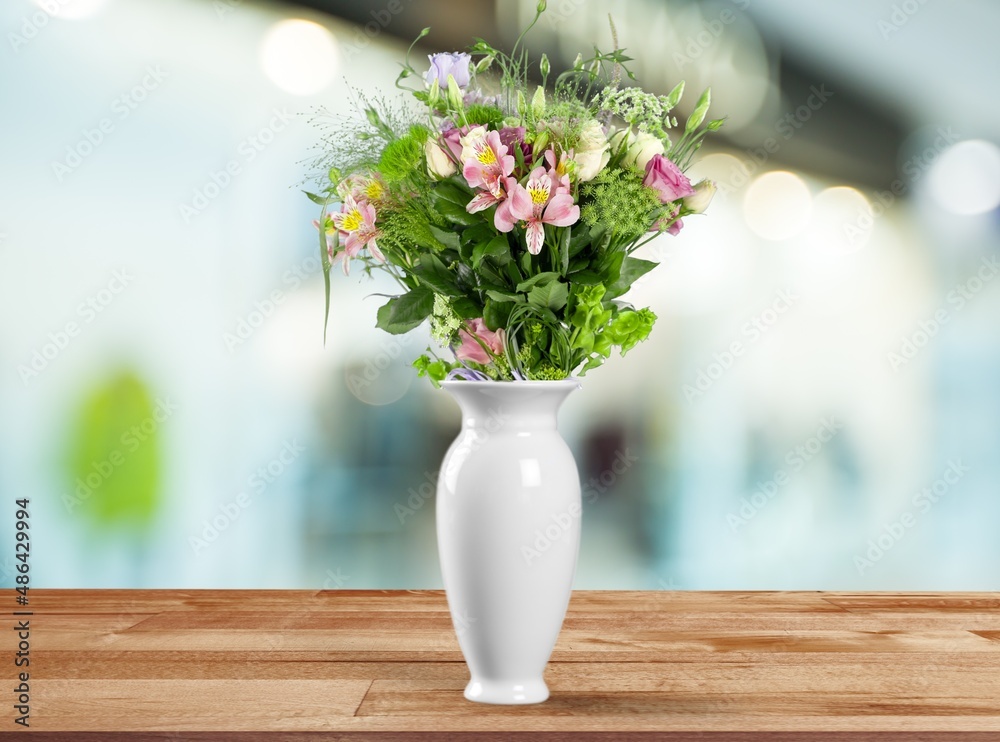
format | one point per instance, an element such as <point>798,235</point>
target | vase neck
<point>513,406</point>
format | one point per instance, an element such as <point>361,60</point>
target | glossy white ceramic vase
<point>508,527</point>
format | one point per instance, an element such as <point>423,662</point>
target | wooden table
<point>731,665</point>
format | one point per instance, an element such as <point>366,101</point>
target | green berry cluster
<point>617,200</point>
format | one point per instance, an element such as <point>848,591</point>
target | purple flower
<point>449,63</point>
<point>511,136</point>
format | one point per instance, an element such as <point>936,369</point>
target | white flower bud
<point>704,190</point>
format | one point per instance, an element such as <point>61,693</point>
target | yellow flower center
<point>538,195</point>
<point>374,190</point>
<point>485,156</point>
<point>352,220</point>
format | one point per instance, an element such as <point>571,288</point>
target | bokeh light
<point>842,220</point>
<point>777,205</point>
<point>965,179</point>
<point>299,56</point>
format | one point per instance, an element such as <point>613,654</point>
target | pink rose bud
<point>470,349</point>
<point>665,178</point>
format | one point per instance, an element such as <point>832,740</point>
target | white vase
<point>508,527</point>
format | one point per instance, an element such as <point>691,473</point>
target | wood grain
<point>349,665</point>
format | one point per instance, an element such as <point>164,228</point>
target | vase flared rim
<point>571,382</point>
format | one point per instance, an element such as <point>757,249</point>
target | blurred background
<point>818,406</point>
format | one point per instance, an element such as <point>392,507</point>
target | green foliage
<point>402,313</point>
<point>644,111</point>
<point>546,372</point>
<point>114,459</point>
<point>617,200</point>
<point>400,158</point>
<point>565,119</point>
<point>407,226</point>
<point>445,322</point>
<point>418,133</point>
<point>630,328</point>
<point>436,370</point>
<point>558,310</point>
<point>479,114</point>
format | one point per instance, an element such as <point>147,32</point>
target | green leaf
<point>496,314</point>
<point>481,232</point>
<point>450,191</point>
<point>585,278</point>
<point>564,241</point>
<point>503,296</point>
<point>495,248</point>
<point>436,371</point>
<point>324,257</point>
<point>458,214</point>
<point>698,114</point>
<point>402,313</point>
<point>610,267</point>
<point>578,241</point>
<point>550,295</point>
<point>632,269</point>
<point>432,272</point>
<point>538,278</point>
<point>599,236</point>
<point>321,200</point>
<point>466,308</point>
<point>447,237</point>
<point>513,273</point>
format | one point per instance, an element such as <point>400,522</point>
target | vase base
<point>507,692</point>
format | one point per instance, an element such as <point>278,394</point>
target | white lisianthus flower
<point>697,202</point>
<point>439,164</point>
<point>640,148</point>
<point>591,153</point>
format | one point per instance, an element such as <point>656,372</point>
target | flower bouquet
<point>509,213</point>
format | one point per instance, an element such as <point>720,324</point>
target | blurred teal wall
<point>811,412</point>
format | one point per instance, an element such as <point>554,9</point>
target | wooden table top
<point>732,665</point>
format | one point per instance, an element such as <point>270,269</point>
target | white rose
<point>439,164</point>
<point>640,148</point>
<point>643,149</point>
<point>591,152</point>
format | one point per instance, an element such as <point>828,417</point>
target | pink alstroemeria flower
<point>548,202</point>
<point>470,349</point>
<point>485,161</point>
<point>362,187</point>
<point>356,224</point>
<point>561,166</point>
<point>510,193</point>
